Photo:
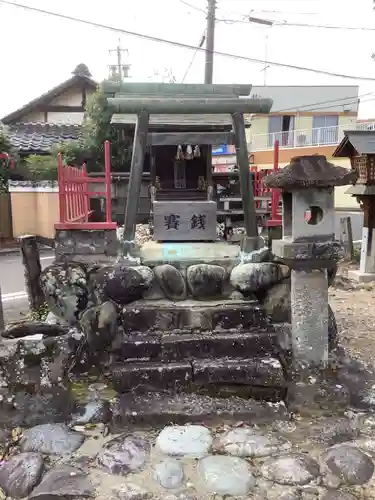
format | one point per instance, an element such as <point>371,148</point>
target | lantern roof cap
<point>311,171</point>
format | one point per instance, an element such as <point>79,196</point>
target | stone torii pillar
<point>309,248</point>
<point>144,106</point>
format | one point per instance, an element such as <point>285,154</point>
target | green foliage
<point>42,168</point>
<point>73,153</point>
<point>6,147</point>
<point>357,253</point>
<point>98,129</point>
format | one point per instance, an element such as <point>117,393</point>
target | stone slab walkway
<point>325,458</point>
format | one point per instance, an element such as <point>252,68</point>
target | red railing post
<point>68,176</point>
<point>107,166</point>
<point>81,207</point>
<point>275,192</point>
<point>276,218</point>
<point>85,193</point>
<point>61,183</point>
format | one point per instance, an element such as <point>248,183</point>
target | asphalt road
<point>13,285</point>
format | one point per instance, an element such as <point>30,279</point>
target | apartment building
<point>305,120</point>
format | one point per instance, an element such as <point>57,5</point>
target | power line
<point>194,7</point>
<point>201,42</point>
<point>281,24</point>
<point>199,9</point>
<point>275,22</point>
<point>314,105</point>
<point>285,12</point>
<point>184,45</point>
<point>336,101</point>
<point>308,25</point>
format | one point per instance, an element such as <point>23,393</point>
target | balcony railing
<point>324,136</point>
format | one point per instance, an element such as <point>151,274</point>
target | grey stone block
<point>185,220</point>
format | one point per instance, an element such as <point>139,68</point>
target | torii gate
<point>192,99</point>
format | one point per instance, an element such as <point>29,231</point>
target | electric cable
<point>186,46</point>
<point>201,42</point>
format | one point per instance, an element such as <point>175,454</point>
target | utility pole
<point>209,71</point>
<point>210,41</point>
<point>119,71</point>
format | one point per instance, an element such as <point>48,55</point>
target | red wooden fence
<point>74,195</point>
<point>276,217</point>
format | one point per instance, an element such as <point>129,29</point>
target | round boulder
<point>99,325</point>
<point>65,289</point>
<point>252,276</point>
<point>171,282</point>
<point>348,463</point>
<point>192,441</point>
<point>124,454</point>
<point>277,303</point>
<point>20,474</point>
<point>169,474</point>
<point>223,475</point>
<point>293,470</point>
<point>206,280</point>
<point>243,442</point>
<point>51,439</point>
<point>123,284</point>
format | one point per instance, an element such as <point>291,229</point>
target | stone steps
<point>162,408</point>
<point>220,315</point>
<point>186,346</point>
<point>184,375</point>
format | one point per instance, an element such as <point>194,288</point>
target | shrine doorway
<point>179,172</point>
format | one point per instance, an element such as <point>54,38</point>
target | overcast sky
<point>38,52</point>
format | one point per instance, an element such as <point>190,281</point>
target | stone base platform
<point>357,275</point>
<point>177,376</point>
<point>185,346</point>
<point>155,409</point>
<point>182,254</point>
<point>220,315</point>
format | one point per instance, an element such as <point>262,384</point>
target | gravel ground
<point>352,304</point>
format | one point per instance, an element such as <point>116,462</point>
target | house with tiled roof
<point>52,118</point>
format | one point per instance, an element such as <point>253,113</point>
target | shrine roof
<point>356,142</point>
<point>310,172</point>
<point>196,121</point>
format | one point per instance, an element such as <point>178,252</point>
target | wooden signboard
<point>185,220</point>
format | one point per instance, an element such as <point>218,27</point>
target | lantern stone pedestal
<point>309,248</point>
<point>366,196</point>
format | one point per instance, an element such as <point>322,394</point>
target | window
<point>281,128</point>
<point>325,129</point>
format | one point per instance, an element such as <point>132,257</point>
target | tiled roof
<point>40,137</point>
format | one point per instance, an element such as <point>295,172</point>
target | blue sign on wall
<point>220,150</point>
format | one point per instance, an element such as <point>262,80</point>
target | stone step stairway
<point>200,345</point>
<point>201,361</point>
<point>202,377</point>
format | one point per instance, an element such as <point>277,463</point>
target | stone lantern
<point>309,248</point>
<point>359,146</point>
